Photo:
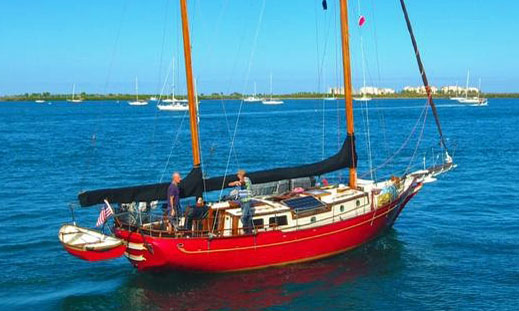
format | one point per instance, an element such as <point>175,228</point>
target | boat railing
<point>154,224</point>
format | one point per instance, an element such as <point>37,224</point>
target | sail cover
<point>193,185</point>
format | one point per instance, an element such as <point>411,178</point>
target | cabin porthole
<point>358,203</point>
<point>342,208</point>
<point>312,219</point>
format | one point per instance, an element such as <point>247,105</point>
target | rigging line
<point>230,81</point>
<point>323,127</point>
<point>365,106</point>
<point>320,70</point>
<point>260,20</point>
<point>229,132</point>
<point>114,50</point>
<point>424,75</point>
<point>178,53</point>
<point>208,55</point>
<point>337,81</point>
<point>419,140</point>
<point>380,113</point>
<point>364,125</point>
<point>365,121</point>
<point>215,34</point>
<point>181,121</point>
<point>173,146</point>
<point>232,150</point>
<point>163,43</point>
<point>368,142</point>
<point>162,90</point>
<point>316,8</point>
<point>93,138</point>
<point>388,160</point>
<point>199,138</point>
<point>336,50</point>
<point>161,95</point>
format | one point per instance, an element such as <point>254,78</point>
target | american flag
<point>106,212</point>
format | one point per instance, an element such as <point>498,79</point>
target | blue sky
<point>103,45</point>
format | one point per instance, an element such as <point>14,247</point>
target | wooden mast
<point>193,115</point>
<point>347,86</point>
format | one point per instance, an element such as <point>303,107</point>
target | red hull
<point>265,249</point>
<point>97,255</point>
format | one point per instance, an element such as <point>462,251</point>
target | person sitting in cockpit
<point>197,212</point>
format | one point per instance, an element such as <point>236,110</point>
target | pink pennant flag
<point>362,20</point>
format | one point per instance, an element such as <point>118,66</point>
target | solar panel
<point>303,203</point>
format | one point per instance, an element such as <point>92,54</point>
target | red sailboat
<point>294,219</point>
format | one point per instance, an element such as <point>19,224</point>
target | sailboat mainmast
<point>193,115</point>
<point>348,87</point>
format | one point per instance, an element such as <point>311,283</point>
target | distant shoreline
<point>234,96</point>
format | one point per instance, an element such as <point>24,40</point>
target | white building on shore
<point>368,90</point>
<point>371,90</point>
<point>419,90</point>
<point>336,90</point>
<point>458,90</point>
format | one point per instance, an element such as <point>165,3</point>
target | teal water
<point>455,247</point>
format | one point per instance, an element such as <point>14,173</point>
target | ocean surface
<point>455,246</point>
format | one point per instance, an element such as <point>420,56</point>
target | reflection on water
<point>303,284</point>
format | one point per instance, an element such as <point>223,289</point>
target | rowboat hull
<point>90,245</point>
<point>96,255</point>
<point>265,249</point>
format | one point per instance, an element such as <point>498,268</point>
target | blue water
<point>455,247</point>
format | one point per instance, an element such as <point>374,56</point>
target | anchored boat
<point>295,218</point>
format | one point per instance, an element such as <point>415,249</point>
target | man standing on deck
<point>173,200</point>
<point>245,193</point>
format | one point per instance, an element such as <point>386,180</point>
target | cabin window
<point>358,203</point>
<point>258,222</point>
<point>278,221</point>
<point>342,208</point>
<point>312,219</point>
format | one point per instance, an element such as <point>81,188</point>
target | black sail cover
<point>193,185</point>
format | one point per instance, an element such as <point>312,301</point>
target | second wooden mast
<point>348,87</point>
<point>193,113</point>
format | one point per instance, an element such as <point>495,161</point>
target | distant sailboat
<point>363,98</point>
<point>331,98</point>
<point>137,102</point>
<point>272,101</point>
<point>457,97</point>
<point>253,98</point>
<point>74,99</point>
<point>173,107</point>
<point>173,104</point>
<point>173,100</point>
<point>476,100</point>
